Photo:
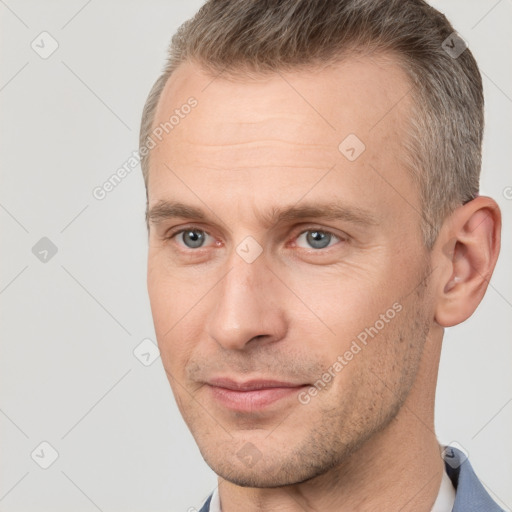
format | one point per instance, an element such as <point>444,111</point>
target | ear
<point>466,251</point>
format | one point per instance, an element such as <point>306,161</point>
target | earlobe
<point>466,252</point>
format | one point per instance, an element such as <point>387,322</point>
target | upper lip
<point>250,385</point>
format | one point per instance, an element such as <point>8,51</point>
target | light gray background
<point>68,375</point>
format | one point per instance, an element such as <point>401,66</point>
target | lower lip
<point>253,400</point>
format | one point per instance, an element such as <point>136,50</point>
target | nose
<point>247,307</point>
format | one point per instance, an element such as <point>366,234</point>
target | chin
<point>262,471</point>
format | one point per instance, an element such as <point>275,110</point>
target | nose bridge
<point>245,303</point>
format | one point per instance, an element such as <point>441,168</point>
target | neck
<point>399,468</point>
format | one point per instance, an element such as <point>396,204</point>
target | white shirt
<point>445,498</point>
<point>444,502</point>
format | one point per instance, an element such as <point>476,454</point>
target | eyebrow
<point>165,210</point>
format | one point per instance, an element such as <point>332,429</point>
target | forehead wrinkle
<point>252,154</point>
<point>255,143</point>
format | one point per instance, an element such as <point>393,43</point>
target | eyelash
<point>193,228</point>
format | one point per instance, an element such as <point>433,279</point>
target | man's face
<point>290,316</point>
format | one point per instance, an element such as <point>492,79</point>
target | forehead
<point>350,95</point>
<point>284,129</point>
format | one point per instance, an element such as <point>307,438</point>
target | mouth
<point>252,395</point>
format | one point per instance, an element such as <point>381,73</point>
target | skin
<point>366,441</point>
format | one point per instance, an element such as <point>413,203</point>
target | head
<point>314,224</point>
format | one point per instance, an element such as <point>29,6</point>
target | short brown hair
<point>443,150</point>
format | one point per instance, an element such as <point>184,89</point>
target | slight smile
<point>250,395</point>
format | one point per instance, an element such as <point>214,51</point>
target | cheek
<point>173,306</point>
<point>372,373</point>
<point>346,303</point>
<point>172,293</point>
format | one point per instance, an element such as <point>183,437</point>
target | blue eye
<point>317,239</point>
<point>192,238</point>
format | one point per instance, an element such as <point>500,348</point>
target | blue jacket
<point>470,493</point>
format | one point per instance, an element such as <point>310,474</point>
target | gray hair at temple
<point>252,37</point>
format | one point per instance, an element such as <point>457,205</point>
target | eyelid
<point>172,233</point>
<point>342,237</point>
<point>317,228</point>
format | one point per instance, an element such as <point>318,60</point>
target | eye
<point>316,239</point>
<point>191,238</point>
